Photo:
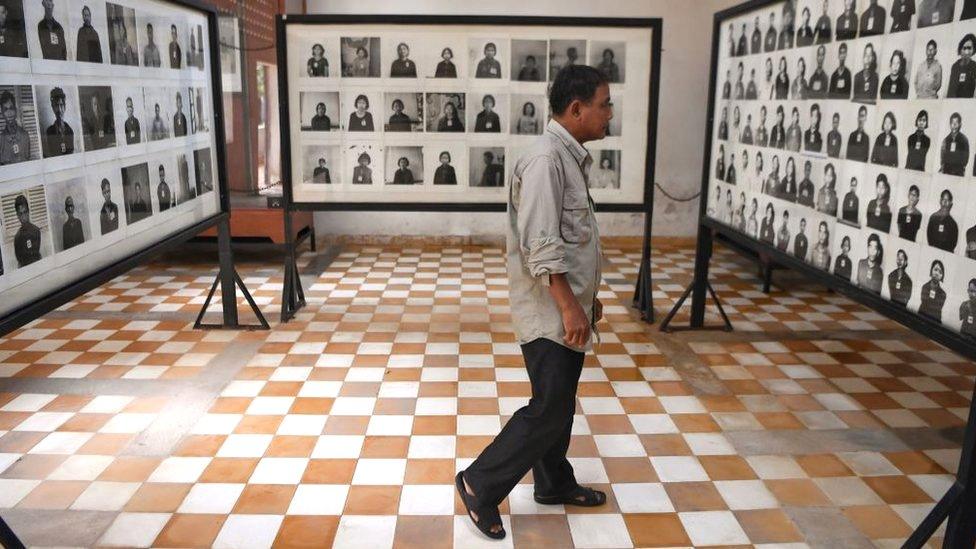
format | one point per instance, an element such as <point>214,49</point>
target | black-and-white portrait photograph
<point>610,58</point>
<point>19,139</point>
<point>404,165</point>
<point>360,57</point>
<point>901,282</point>
<point>203,169</point>
<point>446,164</point>
<point>402,63</point>
<point>199,111</point>
<point>616,126</point>
<point>186,186</point>
<point>489,113</point>
<point>69,214</point>
<point>13,33</point>
<point>163,181</point>
<point>445,112</point>
<point>486,166</point>
<point>486,56</point>
<point>563,53</point>
<point>870,263</point>
<point>26,228</point>
<point>160,107</point>
<point>908,201</point>
<point>319,111</point>
<point>946,204</point>
<point>321,164</point>
<point>362,164</point>
<point>954,149</point>
<point>361,105</point>
<point>935,274</point>
<point>195,53</point>
<point>405,112</point>
<point>176,43</point>
<point>89,30</point>
<point>529,60</point>
<point>443,58</point>
<point>136,192</point>
<point>321,59</point>
<point>122,44</point>
<point>60,119</point>
<point>106,200</point>
<point>895,66</point>
<point>97,117</point>
<point>605,172</point>
<point>155,35</point>
<point>47,25</point>
<point>130,113</point>
<point>181,123</point>
<point>528,114</point>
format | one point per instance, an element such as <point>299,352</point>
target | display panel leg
<point>292,296</point>
<point>643,291</point>
<point>958,505</point>
<point>229,281</point>
<point>699,289</point>
<point>8,539</point>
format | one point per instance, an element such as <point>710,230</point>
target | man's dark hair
<point>574,82</point>
<point>7,97</point>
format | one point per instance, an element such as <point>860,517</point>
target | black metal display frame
<point>293,297</point>
<point>227,278</point>
<point>959,503</point>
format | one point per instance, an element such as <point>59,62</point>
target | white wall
<point>685,60</point>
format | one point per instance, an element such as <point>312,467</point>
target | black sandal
<point>580,496</point>
<point>487,516</point>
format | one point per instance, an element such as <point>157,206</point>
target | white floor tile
<point>248,532</point>
<point>134,530</point>
<point>427,499</point>
<point>647,497</point>
<point>319,499</point>
<point>358,531</point>
<point>599,530</point>
<point>211,498</point>
<point>713,528</point>
<point>679,469</point>
<point>379,471</point>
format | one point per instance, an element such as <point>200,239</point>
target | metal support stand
<point>958,505</point>
<point>292,294</point>
<point>699,285</point>
<point>229,281</point>
<point>643,291</point>
<point>8,539</point>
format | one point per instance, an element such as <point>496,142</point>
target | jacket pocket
<point>575,226</point>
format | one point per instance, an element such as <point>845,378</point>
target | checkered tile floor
<point>344,427</point>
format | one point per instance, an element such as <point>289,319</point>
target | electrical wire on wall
<point>675,198</point>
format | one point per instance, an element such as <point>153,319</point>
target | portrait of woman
<point>360,120</point>
<point>866,79</point>
<point>933,296</point>
<point>918,143</point>
<point>446,67</point>
<point>767,232</point>
<point>827,195</point>
<point>821,250</point>
<point>899,283</point>
<point>869,273</point>
<point>403,66</point>
<point>403,175</point>
<point>398,122</point>
<point>885,150</point>
<point>449,121</point>
<point>843,265</point>
<point>895,85</point>
<point>794,135</point>
<point>812,138</point>
<point>752,224</point>
<point>879,212</point>
<point>782,84</point>
<point>487,119</point>
<point>909,216</point>
<point>528,122</point>
<point>359,67</point>
<point>777,136</point>
<point>962,76</point>
<point>362,174</point>
<point>604,177</point>
<point>445,174</point>
<point>608,66</point>
<point>798,89</point>
<point>787,185</point>
<point>318,65</point>
<point>943,231</point>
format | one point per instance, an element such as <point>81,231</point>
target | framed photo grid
<point>107,141</point>
<point>839,137</point>
<point>386,112</point>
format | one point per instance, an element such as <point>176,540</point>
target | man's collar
<point>577,150</point>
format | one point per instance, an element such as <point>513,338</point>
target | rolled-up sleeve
<point>539,206</point>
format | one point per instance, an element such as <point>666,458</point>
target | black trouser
<point>537,436</point>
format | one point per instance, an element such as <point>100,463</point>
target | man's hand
<point>575,323</point>
<point>597,310</point>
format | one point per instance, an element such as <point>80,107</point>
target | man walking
<point>554,273</point>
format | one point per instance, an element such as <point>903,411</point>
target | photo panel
<point>130,117</point>
<point>26,226</point>
<point>321,58</point>
<point>48,33</point>
<point>444,57</point>
<point>854,193</point>
<point>933,54</point>
<point>164,181</point>
<point>786,225</point>
<point>177,49</point>
<point>903,260</point>
<point>159,112</point>
<point>360,56</point>
<point>605,172</point>
<point>14,52</point>
<point>889,146</point>
<point>755,176</point>
<point>527,114</point>
<point>486,167</point>
<point>321,164</point>
<point>20,142</point>
<point>401,57</point>
<point>962,73</point>
<point>845,238</point>
<point>445,112</point>
<point>753,214</point>
<point>610,58</point>
<point>726,211</point>
<point>405,110</point>
<point>404,165</point>
<point>809,177</point>
<point>822,230</point>
<point>68,212</point>
<point>187,187</point>
<point>106,201</point>
<point>565,52</point>
<point>446,163</point>
<point>829,191</point>
<point>920,128</point>
<point>954,139</point>
<point>137,194</point>
<point>896,66</point>
<point>97,117</point>
<point>203,169</point>
<point>122,35</point>
<point>489,112</point>
<point>805,237</point>
<point>960,313</point>
<point>361,104</point>
<point>363,163</point>
<point>868,253</point>
<point>89,30</point>
<point>947,203</point>
<point>879,184</point>
<point>815,129</point>
<point>154,35</point>
<point>935,276</point>
<point>486,56</point>
<point>528,61</point>
<point>60,120</point>
<point>319,111</point>
<point>181,122</point>
<point>912,205</point>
